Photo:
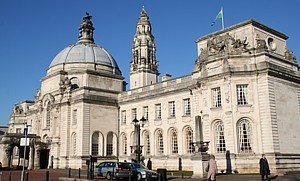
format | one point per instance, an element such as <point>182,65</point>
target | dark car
<point>140,172</point>
<point>113,170</point>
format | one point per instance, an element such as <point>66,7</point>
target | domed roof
<point>85,50</point>
<point>85,53</point>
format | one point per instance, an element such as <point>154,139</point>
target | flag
<point>219,16</point>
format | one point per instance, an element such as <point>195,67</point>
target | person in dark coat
<point>149,164</point>
<point>264,167</point>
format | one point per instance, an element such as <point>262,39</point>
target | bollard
<point>79,173</point>
<point>9,177</point>
<point>88,174</point>
<point>69,172</point>
<point>47,175</point>
<point>27,175</point>
<point>159,177</point>
<point>181,174</point>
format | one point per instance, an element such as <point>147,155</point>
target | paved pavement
<point>40,175</point>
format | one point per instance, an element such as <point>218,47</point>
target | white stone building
<point>243,97</point>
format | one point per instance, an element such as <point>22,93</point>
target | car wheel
<point>108,175</point>
<point>138,176</point>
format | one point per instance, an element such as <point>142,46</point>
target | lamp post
<point>137,130</point>
<point>25,145</point>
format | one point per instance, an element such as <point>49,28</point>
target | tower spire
<point>144,66</point>
<point>86,30</point>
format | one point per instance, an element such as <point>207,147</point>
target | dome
<point>84,53</point>
<point>85,50</point>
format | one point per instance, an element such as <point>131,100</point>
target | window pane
<point>188,140</point>
<point>145,112</point>
<point>133,113</point>
<point>158,111</point>
<point>220,139</point>
<point>172,109</point>
<point>216,97</point>
<point>187,107</point>
<point>123,117</point>
<point>245,136</point>
<point>160,143</point>
<point>242,94</point>
<point>174,141</point>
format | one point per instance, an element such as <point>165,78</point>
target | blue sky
<point>33,32</point>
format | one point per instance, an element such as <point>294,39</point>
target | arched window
<point>188,140</point>
<point>159,142</point>
<point>74,83</point>
<point>124,144</point>
<point>174,141</point>
<point>244,136</point>
<point>132,143</point>
<point>219,137</point>
<point>109,144</point>
<point>147,143</point>
<point>95,143</point>
<point>74,144</point>
<point>48,110</point>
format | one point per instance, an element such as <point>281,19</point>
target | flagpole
<point>222,18</point>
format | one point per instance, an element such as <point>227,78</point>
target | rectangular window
<point>157,111</point>
<point>109,149</point>
<point>145,112</point>
<point>216,97</point>
<point>172,109</point>
<point>74,117</point>
<point>187,106</point>
<point>95,149</point>
<point>133,113</point>
<point>18,130</point>
<point>242,94</point>
<point>123,117</point>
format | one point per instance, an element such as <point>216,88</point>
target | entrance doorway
<point>44,159</point>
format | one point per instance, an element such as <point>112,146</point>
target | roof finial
<point>86,30</point>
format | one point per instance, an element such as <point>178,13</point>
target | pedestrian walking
<point>212,168</point>
<point>264,168</point>
<point>149,164</point>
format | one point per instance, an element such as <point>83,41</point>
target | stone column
<point>199,161</point>
<point>198,131</point>
<point>8,153</point>
<point>37,158</point>
<point>31,157</point>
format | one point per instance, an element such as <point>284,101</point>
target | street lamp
<point>137,130</point>
<point>25,145</point>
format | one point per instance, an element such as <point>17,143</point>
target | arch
<point>48,98</point>
<point>95,143</point>
<point>45,138</point>
<point>73,144</point>
<point>219,136</point>
<point>109,144</point>
<point>48,114</point>
<point>173,138</point>
<point>75,84</point>
<point>244,135</point>
<point>146,142</point>
<point>159,142</point>
<point>188,139</point>
<point>124,144</point>
<point>100,136</point>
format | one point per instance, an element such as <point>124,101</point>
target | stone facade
<point>241,99</point>
<point>244,88</point>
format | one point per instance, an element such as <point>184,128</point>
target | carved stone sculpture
<point>289,55</point>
